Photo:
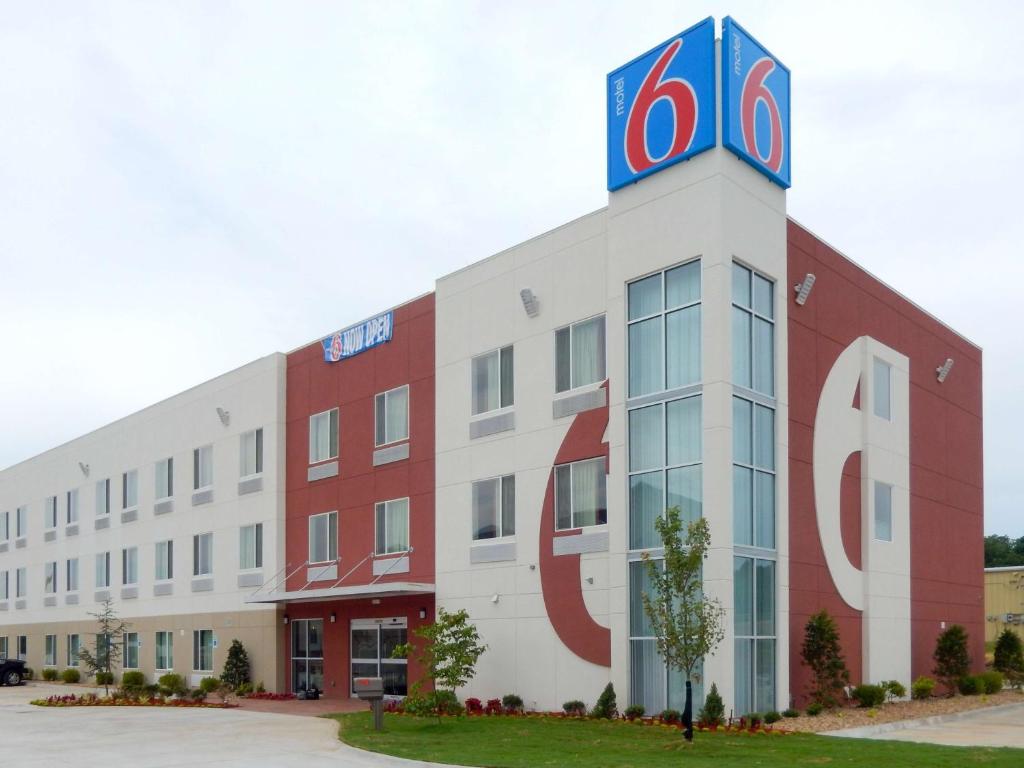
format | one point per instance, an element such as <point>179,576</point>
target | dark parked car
<point>12,671</point>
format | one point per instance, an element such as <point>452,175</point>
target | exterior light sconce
<point>84,467</point>
<point>375,601</point>
<point>423,613</point>
<point>533,566</point>
<point>803,290</point>
<point>943,370</point>
<point>530,303</point>
<point>495,598</point>
<point>590,579</point>
<point>334,617</point>
<point>284,619</point>
<point>224,416</point>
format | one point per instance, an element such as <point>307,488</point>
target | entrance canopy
<point>351,592</point>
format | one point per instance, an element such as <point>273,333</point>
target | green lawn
<point>501,742</point>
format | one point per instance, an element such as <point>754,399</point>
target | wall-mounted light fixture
<point>530,303</point>
<point>943,370</point>
<point>803,290</point>
<point>495,597</point>
<point>224,416</point>
<point>84,467</point>
<point>284,619</point>
<point>423,613</point>
<point>334,617</point>
<point>590,579</point>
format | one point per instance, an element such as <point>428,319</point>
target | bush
<point>772,717</point>
<point>244,689</point>
<point>575,707</point>
<point>814,709</point>
<point>951,659</point>
<point>49,674</point>
<point>209,685</point>
<point>822,653</point>
<point>71,675</point>
<point>894,689</point>
<point>493,707</point>
<point>172,685</point>
<point>197,695</point>
<point>753,719</point>
<point>606,706</point>
<point>260,688</point>
<point>474,706</point>
<point>104,678</point>
<point>236,667</point>
<point>790,713</point>
<point>992,681</point>
<point>670,716</point>
<point>970,685</point>
<point>868,695</point>
<point>434,704</point>
<point>133,681</point>
<point>922,688</point>
<point>511,703</point>
<point>634,711</point>
<point>1009,652</point>
<point>713,711</point>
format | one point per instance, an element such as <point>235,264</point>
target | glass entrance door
<point>373,642</point>
<point>307,654</point>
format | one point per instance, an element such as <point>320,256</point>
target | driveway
<point>87,737</point>
<point>994,727</point>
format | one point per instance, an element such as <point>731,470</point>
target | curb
<point>369,758</point>
<point>869,731</point>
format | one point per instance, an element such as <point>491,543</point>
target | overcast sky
<point>185,187</point>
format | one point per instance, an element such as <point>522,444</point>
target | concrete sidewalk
<point>993,727</point>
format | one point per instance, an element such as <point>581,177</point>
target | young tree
<point>236,666</point>
<point>107,646</point>
<point>1009,655</point>
<point>821,652</point>
<point>951,659</point>
<point>686,624</point>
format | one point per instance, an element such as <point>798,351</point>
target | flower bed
<point>92,700</point>
<point>265,696</point>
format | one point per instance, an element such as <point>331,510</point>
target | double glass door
<point>373,641</point>
<point>307,654</point>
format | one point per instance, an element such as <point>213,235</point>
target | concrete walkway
<point>993,727</point>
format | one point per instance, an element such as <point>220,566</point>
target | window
<point>883,511</point>
<point>579,354</point>
<point>50,578</point>
<point>202,554</point>
<point>251,453</point>
<point>664,330</point>
<point>50,513</point>
<point>164,561</point>
<point>21,522</point>
<point>164,651</point>
<point>580,497</point>
<point>202,650</point>
<point>202,467</point>
<point>753,331</point>
<point>5,585</point>
<point>753,473</point>
<point>102,570</point>
<point>131,650</point>
<point>5,526</point>
<point>494,508</point>
<point>23,647</point>
<point>3,647</point>
<point>493,381</point>
<point>72,506</point>
<point>71,575</point>
<point>391,416</point>
<point>323,436</point>
<point>74,648</point>
<point>754,607</point>
<point>250,547</point>
<point>323,537</point>
<point>130,565</point>
<point>392,528</point>
<point>882,391</point>
<point>103,497</point>
<point>50,648</point>
<point>164,479</point>
<point>130,489</point>
<point>21,582</point>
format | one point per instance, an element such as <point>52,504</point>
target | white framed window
<point>250,547</point>
<point>164,651</point>
<point>202,554</point>
<point>164,561</point>
<point>130,489</point>
<point>883,511</point>
<point>50,648</point>
<point>164,479</point>
<point>72,506</point>
<point>579,354</point>
<point>21,582</point>
<point>392,527</point>
<point>103,498</point>
<point>494,508</point>
<point>391,416</point>
<point>323,537</point>
<point>202,650</point>
<point>50,513</point>
<point>21,522</point>
<point>22,647</point>
<point>882,390</point>
<point>5,586</point>
<point>3,647</point>
<point>103,570</point>
<point>130,565</point>
<point>5,526</point>
<point>580,494</point>
<point>131,650</point>
<point>493,380</point>
<point>323,436</point>
<point>202,468</point>
<point>251,450</point>
<point>50,578</point>
<point>753,330</point>
<point>74,648</point>
<point>71,574</point>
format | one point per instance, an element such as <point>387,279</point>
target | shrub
<point>922,688</point>
<point>634,711</point>
<point>260,688</point>
<point>753,719</point>
<point>433,704</point>
<point>49,674</point>
<point>209,684</point>
<point>970,685</point>
<point>992,681</point>
<point>236,666</point>
<point>71,675</point>
<point>172,685</point>
<point>244,689</point>
<point>790,713</point>
<point>606,706</point>
<point>132,681</point>
<point>713,711</point>
<point>1009,652</point>
<point>951,659</point>
<point>670,716</point>
<point>814,709</point>
<point>512,703</point>
<point>474,706</point>
<point>493,707</point>
<point>104,678</point>
<point>894,689</point>
<point>197,695</point>
<point>772,717</point>
<point>868,695</point>
<point>575,707</point>
<point>821,652</point>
